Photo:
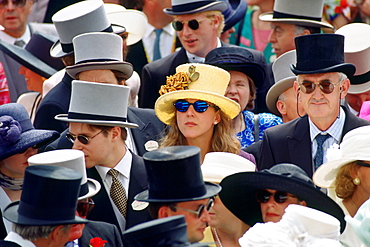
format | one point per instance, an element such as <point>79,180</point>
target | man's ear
<point>281,107</point>
<point>303,203</point>
<point>116,133</point>
<point>163,212</point>
<point>57,233</point>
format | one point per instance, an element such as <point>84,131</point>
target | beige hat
<point>355,146</point>
<point>284,79</point>
<point>297,12</point>
<point>134,21</point>
<point>218,165</point>
<point>195,81</point>
<point>357,52</point>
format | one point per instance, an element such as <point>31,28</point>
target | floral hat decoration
<point>195,81</point>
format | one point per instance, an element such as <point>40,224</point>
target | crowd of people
<point>215,123</point>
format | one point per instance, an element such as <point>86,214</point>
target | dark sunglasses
<point>362,163</point>
<point>16,3</point>
<point>199,106</point>
<point>84,208</point>
<point>263,196</point>
<point>193,24</point>
<point>325,86</point>
<point>200,210</point>
<point>81,138</point>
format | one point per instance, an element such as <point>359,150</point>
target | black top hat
<point>321,53</point>
<point>49,197</point>
<point>165,232</point>
<point>236,10</point>
<point>239,59</point>
<point>174,175</point>
<point>239,191</point>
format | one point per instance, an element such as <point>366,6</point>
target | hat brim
<point>295,21</point>
<point>238,195</point>
<point>28,60</point>
<point>275,91</point>
<point>28,139</point>
<point>165,110</point>
<point>217,5</point>
<point>359,88</point>
<point>11,214</point>
<point>346,68</point>
<point>124,67</point>
<point>238,13</point>
<point>94,187</point>
<point>64,118</point>
<point>212,190</point>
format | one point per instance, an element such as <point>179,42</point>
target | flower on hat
<point>179,81</point>
<point>97,242</point>
<point>10,130</point>
<point>333,153</point>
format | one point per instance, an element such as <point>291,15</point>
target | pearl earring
<point>215,123</point>
<point>356,181</point>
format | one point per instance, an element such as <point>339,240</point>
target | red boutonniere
<point>97,242</point>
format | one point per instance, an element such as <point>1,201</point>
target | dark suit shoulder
<point>106,231</point>
<point>4,243</point>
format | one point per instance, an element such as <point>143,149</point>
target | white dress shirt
<point>14,237</point>
<point>9,39</point>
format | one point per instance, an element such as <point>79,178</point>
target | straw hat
<point>184,7</point>
<point>355,146</point>
<point>195,81</point>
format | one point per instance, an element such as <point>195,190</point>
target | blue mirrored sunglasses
<point>199,106</point>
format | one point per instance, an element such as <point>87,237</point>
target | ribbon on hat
<point>280,15</point>
<point>84,116</point>
<point>10,130</point>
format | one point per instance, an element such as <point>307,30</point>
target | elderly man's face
<point>355,100</point>
<point>282,37</point>
<point>202,40</point>
<point>14,18</point>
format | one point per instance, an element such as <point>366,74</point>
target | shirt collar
<point>196,59</point>
<point>16,238</point>
<point>10,39</point>
<point>123,166</point>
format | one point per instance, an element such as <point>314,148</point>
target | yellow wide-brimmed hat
<point>195,81</point>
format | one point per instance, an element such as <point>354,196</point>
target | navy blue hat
<point>36,54</point>
<point>174,175</point>
<point>237,58</point>
<point>164,232</point>
<point>239,192</point>
<point>321,53</point>
<point>184,7</point>
<point>236,10</point>
<point>49,197</point>
<point>17,132</point>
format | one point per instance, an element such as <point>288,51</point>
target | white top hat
<point>98,104</point>
<point>90,54</point>
<point>355,146</point>
<point>218,165</point>
<point>357,52</point>
<point>134,21</point>
<point>297,12</point>
<point>69,158</point>
<point>284,79</point>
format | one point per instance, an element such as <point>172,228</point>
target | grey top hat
<point>184,7</point>
<point>90,54</point>
<point>69,158</point>
<point>75,19</point>
<point>297,12</point>
<point>284,79</point>
<point>109,110</point>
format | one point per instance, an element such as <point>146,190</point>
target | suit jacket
<point>154,74</point>
<point>3,232</point>
<point>103,210</point>
<point>103,230</point>
<point>291,143</point>
<point>4,243</point>
<point>55,102</point>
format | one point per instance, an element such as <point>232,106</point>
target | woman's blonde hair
<point>344,186</point>
<point>223,138</point>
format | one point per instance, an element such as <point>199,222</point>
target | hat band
<point>84,189</point>
<point>178,194</point>
<point>280,15</point>
<point>97,60</point>
<point>26,125</point>
<point>323,65</point>
<point>189,6</point>
<point>69,47</point>
<point>84,116</point>
<point>360,79</point>
<point>48,213</point>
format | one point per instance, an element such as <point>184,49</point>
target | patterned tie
<point>118,193</point>
<point>19,43</point>
<point>157,51</point>
<point>318,159</point>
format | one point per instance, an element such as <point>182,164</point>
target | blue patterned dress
<point>266,120</point>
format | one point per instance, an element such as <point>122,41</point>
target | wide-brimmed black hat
<point>239,192</point>
<point>236,10</point>
<point>35,55</point>
<point>165,232</point>
<point>174,175</point>
<point>238,59</point>
<point>184,7</point>
<point>321,53</point>
<point>49,197</point>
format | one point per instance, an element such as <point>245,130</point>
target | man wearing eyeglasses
<point>176,187</point>
<point>321,84</point>
<point>198,25</point>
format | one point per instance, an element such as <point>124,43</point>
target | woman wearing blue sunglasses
<point>193,104</point>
